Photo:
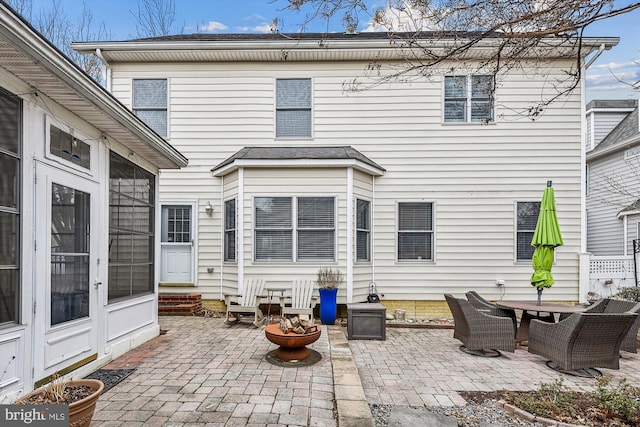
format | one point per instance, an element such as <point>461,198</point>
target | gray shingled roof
<point>298,153</point>
<point>625,130</point>
<point>612,103</point>
<point>376,35</point>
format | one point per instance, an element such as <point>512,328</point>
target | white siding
<point>604,122</point>
<point>613,181</point>
<point>474,174</point>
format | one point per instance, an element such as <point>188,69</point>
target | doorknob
<point>96,284</point>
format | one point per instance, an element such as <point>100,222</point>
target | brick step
<point>179,304</point>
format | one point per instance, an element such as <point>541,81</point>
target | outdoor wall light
<point>208,209</point>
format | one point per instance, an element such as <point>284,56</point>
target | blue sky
<point>242,16</point>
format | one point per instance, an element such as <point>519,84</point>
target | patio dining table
<point>530,307</point>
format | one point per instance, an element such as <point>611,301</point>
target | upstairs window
<point>415,231</point>
<point>293,108</point>
<point>526,226</point>
<point>468,99</point>
<point>150,103</point>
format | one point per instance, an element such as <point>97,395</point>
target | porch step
<point>179,304</point>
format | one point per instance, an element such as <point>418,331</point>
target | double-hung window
<point>230,230</point>
<point>294,229</point>
<point>527,218</point>
<point>150,103</point>
<point>363,230</point>
<point>415,231</point>
<point>468,99</point>
<point>293,108</point>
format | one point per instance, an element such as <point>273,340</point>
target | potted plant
<point>81,396</point>
<point>328,281</point>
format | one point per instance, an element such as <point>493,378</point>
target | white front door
<point>176,253</point>
<point>66,273</point>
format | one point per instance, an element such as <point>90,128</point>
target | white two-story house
<point>423,186</point>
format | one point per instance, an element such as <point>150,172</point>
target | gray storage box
<point>366,321</point>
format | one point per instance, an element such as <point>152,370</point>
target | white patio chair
<point>301,300</point>
<point>246,303</point>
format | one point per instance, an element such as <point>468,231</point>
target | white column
<point>240,228</point>
<point>350,253</point>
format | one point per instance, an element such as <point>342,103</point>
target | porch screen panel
<point>293,108</point>
<point>273,229</point>
<point>70,214</point>
<point>131,229</point>
<point>316,229</point>
<point>10,205</point>
<point>415,231</point>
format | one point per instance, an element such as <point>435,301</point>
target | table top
<point>533,306</point>
<point>276,289</point>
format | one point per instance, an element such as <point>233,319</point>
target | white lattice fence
<point>607,274</point>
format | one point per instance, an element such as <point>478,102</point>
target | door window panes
<point>70,214</point>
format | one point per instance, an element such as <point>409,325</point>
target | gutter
<point>596,56</point>
<point>626,144</point>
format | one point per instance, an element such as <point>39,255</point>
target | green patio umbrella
<point>545,239</point>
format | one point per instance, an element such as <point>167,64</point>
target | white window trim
<point>355,227</point>
<point>93,146</point>
<point>224,230</point>
<point>294,229</point>
<point>433,238</point>
<point>467,121</point>
<point>168,110</point>
<point>275,110</point>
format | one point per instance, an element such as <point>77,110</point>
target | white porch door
<point>176,253</point>
<point>66,275</point>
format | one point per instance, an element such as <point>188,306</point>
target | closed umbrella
<point>545,239</point>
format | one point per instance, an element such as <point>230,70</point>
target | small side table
<point>366,321</point>
<point>270,295</point>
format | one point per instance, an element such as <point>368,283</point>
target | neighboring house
<point>78,197</point>
<point>613,196</point>
<point>424,186</point>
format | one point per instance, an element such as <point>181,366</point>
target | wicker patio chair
<point>479,331</point>
<point>609,305</point>
<point>581,341</point>
<point>483,304</point>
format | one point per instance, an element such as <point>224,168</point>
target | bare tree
<point>155,18</point>
<point>517,29</point>
<point>55,25</point>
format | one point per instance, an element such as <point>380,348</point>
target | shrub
<point>622,401</point>
<point>631,293</point>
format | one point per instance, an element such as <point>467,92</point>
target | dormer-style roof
<point>624,136</point>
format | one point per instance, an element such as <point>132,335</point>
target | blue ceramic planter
<point>328,306</point>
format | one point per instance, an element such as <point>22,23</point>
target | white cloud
<point>263,28</point>
<point>212,27</point>
<point>254,17</point>
<point>616,65</point>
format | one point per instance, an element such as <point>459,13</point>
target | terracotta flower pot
<point>81,411</point>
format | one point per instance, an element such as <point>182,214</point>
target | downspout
<point>625,231</point>
<point>222,217</point>
<point>240,230</point>
<point>106,69</point>
<point>584,257</point>
<point>596,56</point>
<point>373,228</point>
<point>350,254</point>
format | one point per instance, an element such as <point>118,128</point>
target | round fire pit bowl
<point>292,350</point>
